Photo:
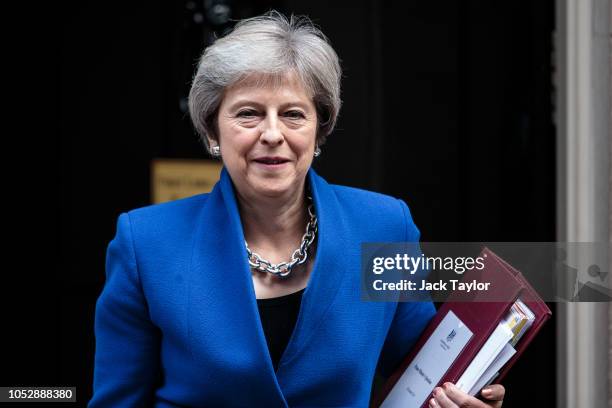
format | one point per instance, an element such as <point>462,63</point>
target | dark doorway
<point>447,106</point>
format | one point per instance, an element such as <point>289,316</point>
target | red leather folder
<point>482,318</point>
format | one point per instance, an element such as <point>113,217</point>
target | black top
<point>278,316</point>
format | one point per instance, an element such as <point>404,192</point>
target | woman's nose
<point>271,132</point>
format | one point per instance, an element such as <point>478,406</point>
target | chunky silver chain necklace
<point>298,257</point>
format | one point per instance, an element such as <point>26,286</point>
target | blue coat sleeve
<point>409,320</point>
<point>126,362</point>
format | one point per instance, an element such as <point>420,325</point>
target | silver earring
<point>215,151</point>
<point>317,152</point>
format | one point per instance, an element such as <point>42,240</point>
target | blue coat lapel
<point>224,326</point>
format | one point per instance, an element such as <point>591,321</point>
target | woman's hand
<point>449,396</point>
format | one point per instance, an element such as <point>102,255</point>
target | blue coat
<point>177,322</point>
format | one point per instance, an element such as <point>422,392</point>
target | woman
<point>249,295</point>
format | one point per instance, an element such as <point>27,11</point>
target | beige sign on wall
<point>172,179</point>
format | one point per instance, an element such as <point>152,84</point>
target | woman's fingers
<point>494,392</point>
<point>463,400</point>
<point>441,400</point>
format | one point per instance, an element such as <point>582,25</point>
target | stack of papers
<point>519,320</point>
<point>497,350</point>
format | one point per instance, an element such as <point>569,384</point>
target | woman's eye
<point>247,113</point>
<point>294,114</point>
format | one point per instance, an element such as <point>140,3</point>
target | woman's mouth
<point>271,162</point>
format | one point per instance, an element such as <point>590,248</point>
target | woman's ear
<point>213,147</point>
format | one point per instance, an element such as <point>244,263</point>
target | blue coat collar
<point>219,266</point>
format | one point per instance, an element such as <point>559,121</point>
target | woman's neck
<point>273,227</point>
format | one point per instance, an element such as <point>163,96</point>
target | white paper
<point>489,352</point>
<point>430,364</point>
<point>503,357</point>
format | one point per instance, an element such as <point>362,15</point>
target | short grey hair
<point>268,46</point>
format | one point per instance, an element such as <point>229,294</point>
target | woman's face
<point>267,137</point>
